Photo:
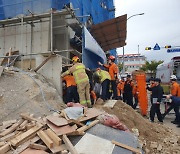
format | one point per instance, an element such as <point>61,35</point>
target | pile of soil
<point>22,92</point>
<point>154,137</point>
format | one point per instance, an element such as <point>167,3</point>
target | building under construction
<point>33,32</point>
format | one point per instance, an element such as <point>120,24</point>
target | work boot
<point>175,122</point>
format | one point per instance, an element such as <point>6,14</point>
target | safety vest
<point>103,75</point>
<point>78,71</point>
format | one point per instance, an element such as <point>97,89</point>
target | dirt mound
<point>154,137</point>
<point>26,92</point>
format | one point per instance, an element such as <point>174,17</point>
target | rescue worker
<point>176,101</point>
<point>120,88</point>
<point>135,95</point>
<point>113,71</point>
<point>157,94</point>
<point>174,92</point>
<point>81,79</point>
<point>128,94</point>
<point>105,78</point>
<point>71,89</point>
<point>152,84</point>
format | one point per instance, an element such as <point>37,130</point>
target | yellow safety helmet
<point>75,59</point>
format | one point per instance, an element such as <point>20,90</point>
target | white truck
<point>165,70</point>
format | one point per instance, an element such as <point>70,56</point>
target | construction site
<point>38,38</point>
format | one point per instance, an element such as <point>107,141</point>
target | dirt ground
<point>155,138</point>
<point>20,93</point>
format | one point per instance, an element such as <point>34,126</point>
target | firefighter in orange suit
<point>71,89</point>
<point>174,92</point>
<point>120,88</point>
<point>113,71</point>
<point>81,79</point>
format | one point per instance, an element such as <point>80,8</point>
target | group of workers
<point>85,86</point>
<point>173,99</point>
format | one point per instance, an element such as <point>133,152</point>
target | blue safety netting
<point>98,9</point>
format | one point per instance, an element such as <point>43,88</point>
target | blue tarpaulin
<point>97,9</point>
<point>92,52</point>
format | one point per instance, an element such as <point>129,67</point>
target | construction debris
<point>38,134</point>
<point>31,124</point>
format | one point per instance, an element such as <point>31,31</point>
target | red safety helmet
<point>111,57</point>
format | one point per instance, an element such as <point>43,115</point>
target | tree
<point>120,66</point>
<point>151,66</point>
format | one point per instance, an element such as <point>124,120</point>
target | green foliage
<point>120,66</point>
<point>151,66</point>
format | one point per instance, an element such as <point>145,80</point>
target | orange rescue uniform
<point>120,88</point>
<point>69,79</point>
<point>174,89</point>
<point>113,69</point>
<point>178,91</point>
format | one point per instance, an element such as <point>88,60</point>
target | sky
<point>159,24</point>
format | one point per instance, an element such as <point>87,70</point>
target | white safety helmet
<point>173,77</point>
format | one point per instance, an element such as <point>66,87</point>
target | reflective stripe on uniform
<point>83,102</point>
<point>88,101</point>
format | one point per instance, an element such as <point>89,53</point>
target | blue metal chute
<point>92,52</point>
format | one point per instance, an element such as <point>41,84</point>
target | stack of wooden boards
<point>43,135</point>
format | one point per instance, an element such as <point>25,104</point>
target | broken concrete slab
<point>120,136</point>
<point>110,134</point>
<point>92,144</point>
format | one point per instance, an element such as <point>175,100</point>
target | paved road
<point>167,122</point>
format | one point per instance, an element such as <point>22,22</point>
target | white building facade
<point>132,62</point>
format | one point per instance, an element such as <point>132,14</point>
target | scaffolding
<point>33,19</point>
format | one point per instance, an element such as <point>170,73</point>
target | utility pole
<point>123,70</point>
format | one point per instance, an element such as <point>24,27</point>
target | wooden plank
<point>29,118</point>
<point>45,139</point>
<point>54,137</point>
<point>2,143</point>
<point>56,149</point>
<point>26,145</point>
<point>69,145</point>
<point>72,121</point>
<point>33,151</point>
<point>37,146</point>
<point>8,123</point>
<point>58,121</point>
<point>61,130</point>
<point>84,128</point>
<point>126,147</point>
<point>91,113</point>
<point>64,152</point>
<point>44,62</point>
<point>8,137</point>
<point>12,128</point>
<point>5,148</point>
<point>23,125</point>
<point>19,139</point>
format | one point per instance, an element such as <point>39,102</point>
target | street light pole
<point>123,70</point>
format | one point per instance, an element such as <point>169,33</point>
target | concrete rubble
<point>32,121</point>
